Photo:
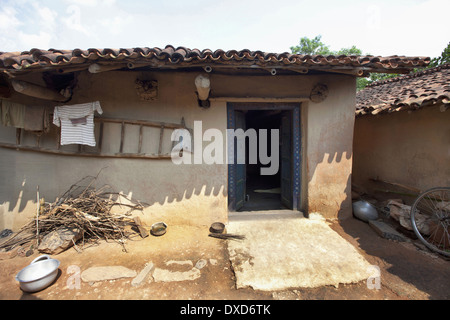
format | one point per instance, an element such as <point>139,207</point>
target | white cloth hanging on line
<point>77,122</point>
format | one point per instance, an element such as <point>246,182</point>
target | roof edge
<point>409,76</point>
<point>37,59</point>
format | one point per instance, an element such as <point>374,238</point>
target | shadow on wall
<point>154,183</point>
<point>329,191</point>
<point>329,167</point>
<point>192,193</point>
<point>189,193</point>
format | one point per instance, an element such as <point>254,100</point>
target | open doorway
<point>248,188</point>
<point>263,192</point>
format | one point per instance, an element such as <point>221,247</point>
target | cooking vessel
<point>364,211</point>
<point>39,274</point>
<point>158,229</point>
<point>217,227</point>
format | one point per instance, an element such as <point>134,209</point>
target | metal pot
<point>217,227</point>
<point>364,211</point>
<point>39,274</point>
<point>158,229</point>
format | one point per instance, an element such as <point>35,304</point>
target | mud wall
<point>329,134</point>
<point>408,148</point>
<point>181,194</point>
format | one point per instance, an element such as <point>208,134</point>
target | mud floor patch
<point>278,254</point>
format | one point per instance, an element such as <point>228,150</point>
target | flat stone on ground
<point>94,274</point>
<point>164,275</point>
<point>143,275</point>
<point>291,251</point>
<point>386,231</point>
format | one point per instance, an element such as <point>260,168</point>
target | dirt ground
<point>407,273</point>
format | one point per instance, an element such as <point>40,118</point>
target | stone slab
<point>286,252</point>
<point>165,275</point>
<point>386,231</point>
<point>143,275</point>
<point>95,274</point>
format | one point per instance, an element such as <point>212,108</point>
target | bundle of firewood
<point>84,211</point>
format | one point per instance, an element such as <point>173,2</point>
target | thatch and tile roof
<point>171,57</point>
<point>425,88</point>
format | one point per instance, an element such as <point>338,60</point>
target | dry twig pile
<point>85,209</point>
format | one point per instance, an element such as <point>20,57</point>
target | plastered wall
<point>182,194</point>
<point>408,148</point>
<point>329,134</point>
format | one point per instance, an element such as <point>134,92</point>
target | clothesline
<point>77,127</point>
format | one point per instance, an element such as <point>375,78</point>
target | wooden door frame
<point>296,148</point>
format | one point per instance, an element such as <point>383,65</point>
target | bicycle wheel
<point>430,219</point>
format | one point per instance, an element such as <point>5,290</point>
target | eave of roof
<point>181,57</point>
<point>425,88</point>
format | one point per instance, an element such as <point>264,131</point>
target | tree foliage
<point>311,47</point>
<point>443,59</point>
<point>315,46</point>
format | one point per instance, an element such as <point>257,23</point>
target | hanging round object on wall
<point>319,93</point>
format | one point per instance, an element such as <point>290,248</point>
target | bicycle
<point>430,219</point>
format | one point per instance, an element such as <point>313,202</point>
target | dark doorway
<point>263,192</point>
<point>248,189</point>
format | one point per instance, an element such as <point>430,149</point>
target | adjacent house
<point>120,114</point>
<point>402,134</point>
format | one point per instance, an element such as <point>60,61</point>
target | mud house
<point>137,98</point>
<point>402,134</point>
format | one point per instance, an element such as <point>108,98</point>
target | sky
<point>382,28</point>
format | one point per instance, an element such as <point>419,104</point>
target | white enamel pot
<point>39,274</point>
<point>364,211</point>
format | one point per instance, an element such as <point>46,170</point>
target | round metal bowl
<point>158,229</point>
<point>364,211</point>
<point>39,274</point>
<point>217,227</point>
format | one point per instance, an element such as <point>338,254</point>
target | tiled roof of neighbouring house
<point>424,88</point>
<point>171,57</point>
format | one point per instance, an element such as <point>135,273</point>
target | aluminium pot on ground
<point>39,274</point>
<point>364,211</point>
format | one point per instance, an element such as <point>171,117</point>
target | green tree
<point>311,47</point>
<point>443,59</point>
<point>435,62</point>
<point>315,46</point>
<point>353,51</point>
<point>361,83</point>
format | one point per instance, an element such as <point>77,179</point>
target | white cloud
<point>73,20</point>
<point>92,3</point>
<point>42,40</point>
<point>120,24</point>
<point>8,19</point>
<point>47,17</point>
<point>9,23</point>
<point>382,28</point>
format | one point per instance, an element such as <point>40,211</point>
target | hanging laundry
<point>77,122</point>
<point>12,114</point>
<point>36,119</point>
